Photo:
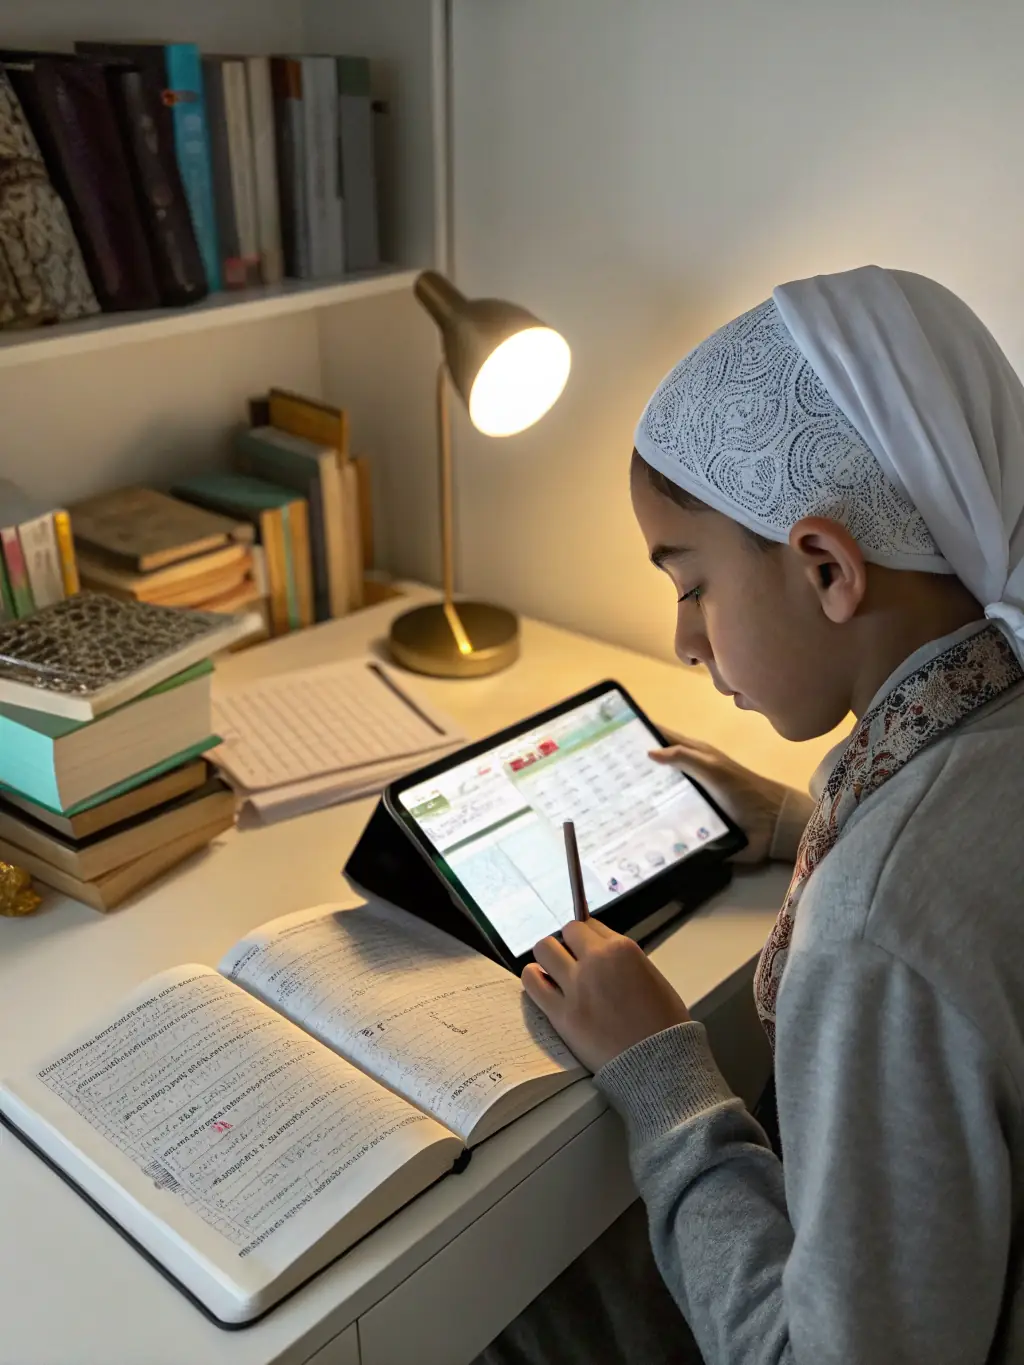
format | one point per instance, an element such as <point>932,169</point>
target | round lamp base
<point>422,640</point>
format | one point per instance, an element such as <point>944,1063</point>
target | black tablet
<point>489,818</point>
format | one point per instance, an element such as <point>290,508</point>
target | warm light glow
<point>519,381</point>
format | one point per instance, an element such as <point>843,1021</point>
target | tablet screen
<point>496,819</point>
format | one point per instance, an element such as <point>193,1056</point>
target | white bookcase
<point>144,397</point>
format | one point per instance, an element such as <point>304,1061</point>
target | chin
<point>799,728</point>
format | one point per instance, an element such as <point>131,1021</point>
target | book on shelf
<point>281,520</point>
<point>59,762</point>
<point>188,583</point>
<point>143,530</point>
<point>88,654</point>
<point>358,165</point>
<point>133,797</point>
<point>264,155</point>
<point>323,183</point>
<point>290,145</point>
<point>335,1065</point>
<point>112,889</point>
<point>38,555</point>
<point>175,69</point>
<point>43,277</point>
<point>166,219</point>
<point>97,855</point>
<point>306,114</point>
<point>312,470</point>
<point>68,104</point>
<point>240,187</point>
<point>329,426</point>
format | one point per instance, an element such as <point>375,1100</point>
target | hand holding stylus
<point>599,989</point>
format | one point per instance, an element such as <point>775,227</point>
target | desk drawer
<point>455,1304</point>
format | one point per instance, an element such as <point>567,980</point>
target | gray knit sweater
<point>894,1233</point>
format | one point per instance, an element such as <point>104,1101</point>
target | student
<point>834,485</point>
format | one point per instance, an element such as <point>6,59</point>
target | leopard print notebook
<point>79,656</point>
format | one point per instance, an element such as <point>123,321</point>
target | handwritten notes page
<point>237,1132</point>
<point>444,1026</point>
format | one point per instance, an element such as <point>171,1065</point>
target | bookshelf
<point>220,310</point>
<point>148,397</point>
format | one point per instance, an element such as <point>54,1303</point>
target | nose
<point>691,643</point>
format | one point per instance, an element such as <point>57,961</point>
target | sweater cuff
<point>663,1081</point>
<point>790,823</point>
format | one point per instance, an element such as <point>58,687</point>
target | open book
<point>245,1126</point>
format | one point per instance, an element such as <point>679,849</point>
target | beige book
<point>104,853</point>
<point>106,893</point>
<point>147,530</point>
<point>107,576</point>
<point>337,1063</point>
<point>167,787</point>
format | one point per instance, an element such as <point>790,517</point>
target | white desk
<point>444,1276</point>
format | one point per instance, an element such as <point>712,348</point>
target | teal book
<point>62,763</point>
<point>312,470</point>
<point>281,519</point>
<point>192,144</point>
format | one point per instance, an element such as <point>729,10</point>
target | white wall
<point>640,172</point>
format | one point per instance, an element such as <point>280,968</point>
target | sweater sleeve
<point>886,1236</point>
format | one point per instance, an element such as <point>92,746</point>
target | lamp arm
<point>444,446</point>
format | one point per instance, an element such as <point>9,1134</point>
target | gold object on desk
<point>16,894</point>
<point>509,369</point>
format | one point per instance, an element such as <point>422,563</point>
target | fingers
<point>555,959</point>
<point>540,988</point>
<point>582,935</point>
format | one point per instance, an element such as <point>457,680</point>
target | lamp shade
<point>507,366</point>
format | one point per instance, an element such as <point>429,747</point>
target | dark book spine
<point>286,85</point>
<point>69,109</point>
<point>233,266</point>
<point>159,192</point>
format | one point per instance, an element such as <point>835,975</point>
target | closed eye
<point>694,595</point>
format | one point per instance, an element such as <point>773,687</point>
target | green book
<point>272,510</point>
<point>7,612</point>
<point>66,765</point>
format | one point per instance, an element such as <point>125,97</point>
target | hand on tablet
<point>600,991</point>
<point>748,798</point>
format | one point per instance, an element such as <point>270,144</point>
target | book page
<point>444,1026</point>
<point>242,1134</point>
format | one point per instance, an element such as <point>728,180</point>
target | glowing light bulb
<point>519,381</point>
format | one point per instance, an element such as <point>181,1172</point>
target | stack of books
<point>306,502</point>
<point>145,546</point>
<point>157,175</point>
<point>37,555</point>
<point>105,714</point>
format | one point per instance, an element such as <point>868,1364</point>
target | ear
<point>833,564</point>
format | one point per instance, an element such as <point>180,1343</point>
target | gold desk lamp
<point>509,370</point>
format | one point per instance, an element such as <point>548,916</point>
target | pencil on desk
<point>572,856</point>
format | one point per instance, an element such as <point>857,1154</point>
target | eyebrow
<point>661,553</point>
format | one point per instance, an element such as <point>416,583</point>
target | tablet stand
<point>386,863</point>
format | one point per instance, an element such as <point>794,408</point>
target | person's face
<point>752,615</point>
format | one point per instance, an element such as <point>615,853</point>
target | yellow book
<point>318,422</point>
<point>66,552</point>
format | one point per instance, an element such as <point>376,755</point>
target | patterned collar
<point>937,689</point>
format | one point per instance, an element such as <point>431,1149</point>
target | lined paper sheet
<point>332,720</point>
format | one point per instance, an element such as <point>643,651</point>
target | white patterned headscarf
<point>874,397</point>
